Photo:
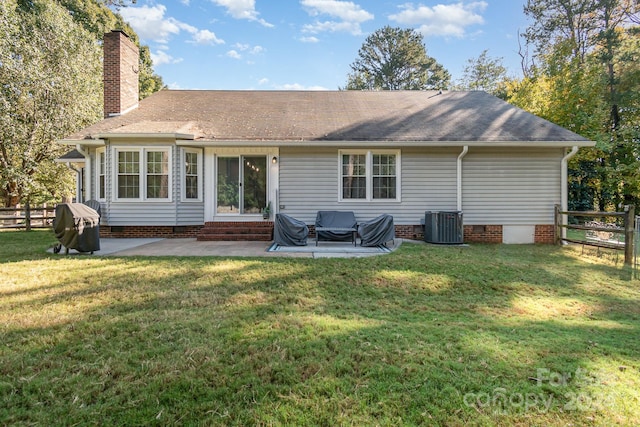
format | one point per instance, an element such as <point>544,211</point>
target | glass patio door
<point>241,184</point>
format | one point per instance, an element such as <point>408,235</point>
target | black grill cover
<point>378,231</point>
<point>76,226</point>
<point>288,231</point>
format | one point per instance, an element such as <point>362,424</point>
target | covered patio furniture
<point>336,225</point>
<point>288,231</point>
<point>377,232</point>
<point>95,205</point>
<point>76,226</point>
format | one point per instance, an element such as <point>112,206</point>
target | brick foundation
<point>545,234</point>
<point>415,232</point>
<point>483,234</point>
<point>148,231</point>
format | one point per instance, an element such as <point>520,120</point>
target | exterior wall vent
<point>443,227</point>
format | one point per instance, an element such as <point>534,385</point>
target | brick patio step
<point>236,231</point>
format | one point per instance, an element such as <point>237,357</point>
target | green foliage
<point>98,19</point>
<point>50,72</point>
<point>587,80</point>
<point>396,59</point>
<point>149,81</point>
<point>484,73</point>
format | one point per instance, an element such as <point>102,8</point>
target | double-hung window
<point>102,173</point>
<point>143,174</point>
<point>370,175</point>
<point>192,175</point>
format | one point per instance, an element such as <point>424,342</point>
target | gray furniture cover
<point>95,205</point>
<point>288,231</point>
<point>335,219</point>
<point>378,231</point>
<point>76,226</point>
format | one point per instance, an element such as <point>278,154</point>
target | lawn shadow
<point>400,339</point>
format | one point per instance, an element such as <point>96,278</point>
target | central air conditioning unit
<point>443,227</point>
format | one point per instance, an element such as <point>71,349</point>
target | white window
<point>370,175</point>
<point>143,174</point>
<point>192,175</point>
<point>101,167</point>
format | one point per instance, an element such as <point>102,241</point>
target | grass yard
<point>479,335</point>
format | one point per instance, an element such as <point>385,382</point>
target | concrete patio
<point>192,247</point>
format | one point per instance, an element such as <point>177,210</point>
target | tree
<point>49,69</point>
<point>98,19</point>
<point>484,73</point>
<point>149,81</point>
<point>588,56</point>
<point>396,59</point>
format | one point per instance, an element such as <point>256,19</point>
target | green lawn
<point>478,335</point>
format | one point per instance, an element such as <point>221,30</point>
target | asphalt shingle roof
<point>333,116</point>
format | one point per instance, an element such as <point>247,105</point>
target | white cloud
<point>253,50</point>
<point>242,9</point>
<point>309,39</point>
<point>344,10</point>
<point>346,16</point>
<point>263,81</point>
<point>175,86</point>
<point>151,24</point>
<point>297,86</point>
<point>234,54</point>
<point>333,27</point>
<point>162,57</point>
<point>441,19</point>
<point>206,37</point>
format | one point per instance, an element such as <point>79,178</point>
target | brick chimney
<point>121,67</point>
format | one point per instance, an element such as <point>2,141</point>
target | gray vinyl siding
<point>514,186</point>
<point>309,183</point>
<point>147,212</point>
<point>428,183</point>
<point>187,212</point>
<point>190,213</point>
<point>142,213</point>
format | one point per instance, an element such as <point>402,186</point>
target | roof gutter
<point>464,152</point>
<point>141,135</point>
<point>374,144</point>
<point>85,142</point>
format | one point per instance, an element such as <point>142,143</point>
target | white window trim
<point>369,176</point>
<point>183,174</point>
<point>100,151</point>
<point>143,173</point>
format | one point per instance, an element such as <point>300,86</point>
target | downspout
<point>87,172</point>
<point>464,152</point>
<point>564,186</point>
<point>70,166</point>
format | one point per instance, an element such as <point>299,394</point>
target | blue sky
<point>309,44</point>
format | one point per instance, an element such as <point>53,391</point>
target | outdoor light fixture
<point>274,160</point>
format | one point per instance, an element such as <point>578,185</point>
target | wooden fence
<point>617,234</point>
<point>27,217</point>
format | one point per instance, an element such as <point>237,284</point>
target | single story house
<point>208,163</point>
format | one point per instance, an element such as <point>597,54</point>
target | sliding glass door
<point>241,184</point>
